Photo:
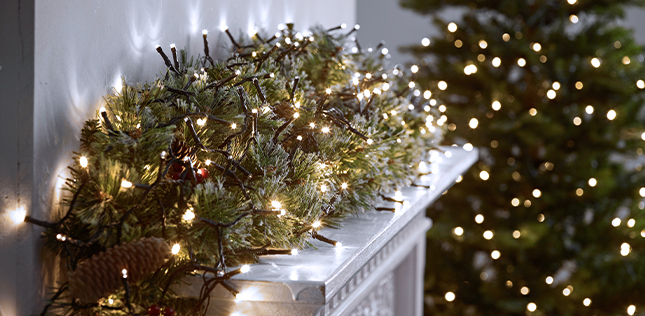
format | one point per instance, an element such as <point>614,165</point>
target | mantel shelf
<point>318,277</point>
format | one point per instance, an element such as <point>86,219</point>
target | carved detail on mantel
<point>404,236</point>
<point>380,301</point>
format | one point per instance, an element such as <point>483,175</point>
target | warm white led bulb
<point>343,185</point>
<point>275,204</point>
<point>245,268</point>
<point>83,161</point>
<point>316,224</point>
<point>188,215</point>
<point>175,249</point>
<point>126,184</point>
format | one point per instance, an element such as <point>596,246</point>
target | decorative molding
<point>380,301</point>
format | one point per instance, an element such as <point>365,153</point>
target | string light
<point>551,94</point>
<point>442,85</point>
<point>245,268</point>
<point>573,18</point>
<point>572,2</point>
<point>595,62</point>
<point>506,37</point>
<point>517,234</point>
<point>316,224</point>
<point>567,291</point>
<point>294,252</point>
<point>589,109</point>
<point>473,123</point>
<point>414,69</point>
<point>126,184</point>
<point>83,161</point>
<point>275,204</point>
<point>579,191</point>
<point>592,182</point>
<point>549,280</point>
<point>631,309</point>
<point>515,202</point>
<point>467,146</point>
<point>625,249</point>
<point>577,121</point>
<point>450,296</point>
<point>537,193</point>
<point>175,249</point>
<point>18,215</point>
<point>189,215</point>
<point>452,27</point>
<point>495,254</point>
<point>124,272</point>
<point>458,231</point>
<point>386,86</point>
<point>640,84</point>
<point>201,122</point>
<point>537,47</point>
<point>496,62</point>
<point>631,222</point>
<point>484,175</point>
<point>533,112</point>
<point>579,85</point>
<point>324,129</point>
<point>470,69</point>
<point>524,290</point>
<point>488,235</point>
<point>496,105</point>
<point>425,42</point>
<point>483,44</point>
<point>323,188</point>
<point>233,126</point>
<point>611,115</point>
<point>427,94</point>
<point>343,185</point>
<point>411,84</point>
<point>615,222</point>
<point>626,60</point>
<point>521,62</point>
<point>586,301</point>
<point>531,307</point>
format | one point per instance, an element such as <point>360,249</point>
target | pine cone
<point>181,149</point>
<point>101,275</point>
<point>284,110</point>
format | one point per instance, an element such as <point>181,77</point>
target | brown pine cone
<point>284,110</point>
<point>181,149</point>
<point>101,275</point>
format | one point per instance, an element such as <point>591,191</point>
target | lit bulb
<point>589,109</point>
<point>414,69</point>
<point>531,307</point>
<point>411,84</point>
<point>294,252</point>
<point>275,204</point>
<point>323,188</point>
<point>468,147</point>
<point>592,182</point>
<point>233,126</point>
<point>640,84</point>
<point>537,193</point>
<point>126,184</point>
<point>573,18</point>
<point>517,234</point>
<point>549,280</point>
<point>386,86</point>
<point>537,47</point>
<point>425,42</point>
<point>188,215</point>
<point>483,44</point>
<point>496,105</point>
<point>452,27</point>
<point>524,290</point>
<point>577,121</point>
<point>316,224</point>
<point>450,296</point>
<point>551,94</point>
<point>521,62</point>
<point>296,115</point>
<point>611,115</point>
<point>595,62</point>
<point>488,234</point>
<point>328,91</point>
<point>473,123</point>
<point>325,129</point>
<point>83,161</point>
<point>18,215</point>
<point>299,137</point>
<point>586,302</point>
<point>204,32</point>
<point>484,175</point>
<point>245,268</point>
<point>343,186</point>
<point>442,85</point>
<point>495,254</point>
<point>615,222</point>
<point>458,231</point>
<point>631,309</point>
<point>370,141</point>
<point>338,244</point>
<point>496,62</point>
<point>631,222</point>
<point>175,249</point>
<point>124,272</point>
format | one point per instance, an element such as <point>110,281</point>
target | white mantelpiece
<point>377,271</point>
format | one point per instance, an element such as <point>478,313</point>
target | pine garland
<point>229,160</point>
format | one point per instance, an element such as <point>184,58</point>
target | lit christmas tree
<point>550,221</point>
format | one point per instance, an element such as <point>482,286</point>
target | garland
<point>221,162</point>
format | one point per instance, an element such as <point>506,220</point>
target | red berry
<point>177,167</point>
<point>199,178</point>
<point>155,310</point>
<point>169,311</point>
<point>204,173</point>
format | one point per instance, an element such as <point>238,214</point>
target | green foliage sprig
<point>230,160</point>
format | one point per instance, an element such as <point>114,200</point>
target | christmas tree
<point>197,173</point>
<point>550,221</point>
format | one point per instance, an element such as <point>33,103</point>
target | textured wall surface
<point>56,61</point>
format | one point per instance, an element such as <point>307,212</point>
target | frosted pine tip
<point>204,32</point>
<point>278,34</point>
<point>294,252</point>
<point>172,45</point>
<point>271,75</point>
<point>277,45</point>
<point>316,224</point>
<point>83,161</point>
<point>223,27</point>
<point>237,72</point>
<point>175,249</point>
<point>245,268</point>
<point>126,184</point>
<point>157,46</point>
<point>281,26</point>
<point>254,111</point>
<point>125,273</point>
<point>102,110</point>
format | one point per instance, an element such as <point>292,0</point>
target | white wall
<point>386,20</point>
<point>57,59</point>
